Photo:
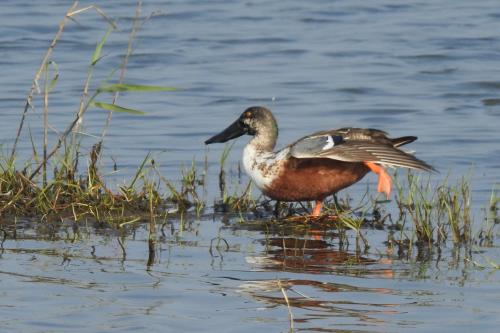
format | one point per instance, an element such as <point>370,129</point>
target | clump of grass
<point>187,196</point>
<point>78,197</point>
<point>437,211</point>
<point>486,234</point>
<point>67,192</point>
<point>456,202</point>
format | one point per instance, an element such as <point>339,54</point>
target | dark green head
<point>255,120</point>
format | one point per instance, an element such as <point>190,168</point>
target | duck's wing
<point>357,145</point>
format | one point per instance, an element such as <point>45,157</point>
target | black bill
<point>234,131</point>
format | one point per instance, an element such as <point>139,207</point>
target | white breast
<point>262,167</point>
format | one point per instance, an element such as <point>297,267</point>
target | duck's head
<point>255,120</point>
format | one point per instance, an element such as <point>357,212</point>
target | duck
<point>317,165</point>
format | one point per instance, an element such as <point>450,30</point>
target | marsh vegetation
<point>63,182</point>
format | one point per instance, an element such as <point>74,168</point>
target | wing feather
<point>357,145</point>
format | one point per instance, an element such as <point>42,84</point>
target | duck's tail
<point>403,140</point>
<point>411,161</point>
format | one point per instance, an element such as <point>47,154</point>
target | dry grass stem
<point>290,313</point>
<point>34,86</point>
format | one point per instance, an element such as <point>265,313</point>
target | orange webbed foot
<point>317,209</point>
<point>384,180</point>
<point>384,183</point>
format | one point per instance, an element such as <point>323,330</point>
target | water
<point>425,68</point>
<point>82,282</point>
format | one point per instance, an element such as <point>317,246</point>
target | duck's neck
<point>265,138</point>
<point>258,153</point>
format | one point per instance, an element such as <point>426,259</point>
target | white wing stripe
<point>329,143</point>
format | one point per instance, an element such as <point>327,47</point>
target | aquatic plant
<point>437,211</point>
<point>31,191</point>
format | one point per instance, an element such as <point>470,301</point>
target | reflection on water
<point>316,256</point>
<point>227,275</point>
<point>332,306</point>
<point>331,288</point>
<point>300,254</point>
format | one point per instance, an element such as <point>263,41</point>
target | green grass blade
<point>119,87</point>
<point>33,146</point>
<point>53,82</point>
<point>139,171</point>
<point>97,53</point>
<point>117,108</point>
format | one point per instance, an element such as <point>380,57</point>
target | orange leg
<point>384,180</point>
<point>317,209</point>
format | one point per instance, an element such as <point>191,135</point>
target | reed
<point>32,192</point>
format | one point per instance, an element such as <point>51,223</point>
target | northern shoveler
<point>316,165</point>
